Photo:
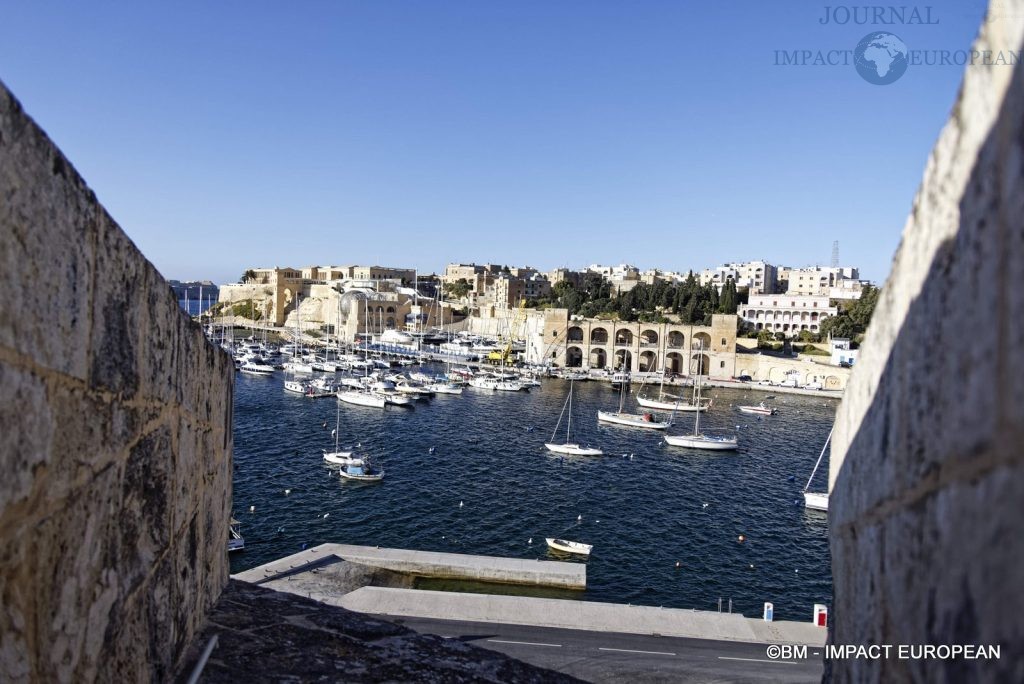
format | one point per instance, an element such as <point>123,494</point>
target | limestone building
<point>641,347</point>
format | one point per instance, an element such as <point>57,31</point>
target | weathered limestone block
<point>115,437</point>
<point>927,470</point>
<point>45,208</point>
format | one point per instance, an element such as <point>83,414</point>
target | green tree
<point>458,289</point>
<point>247,276</point>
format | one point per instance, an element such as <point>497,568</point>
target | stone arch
<point>676,339</point>
<point>623,338</point>
<point>832,383</point>
<point>390,323</point>
<point>390,310</point>
<point>702,340</point>
<point>674,363</point>
<point>648,362</point>
<point>574,334</point>
<point>599,336</point>
<point>573,357</point>
<point>624,360</point>
<point>648,338</point>
<point>700,364</point>
<point>598,358</point>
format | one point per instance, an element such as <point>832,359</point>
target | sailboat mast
<point>568,425</point>
<point>820,456</point>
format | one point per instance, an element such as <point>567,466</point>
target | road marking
<point>523,643</point>
<point>761,660</point>
<point>629,650</point>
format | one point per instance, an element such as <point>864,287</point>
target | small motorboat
<point>760,409</point>
<point>296,386</point>
<point>363,472</point>
<point>569,546</point>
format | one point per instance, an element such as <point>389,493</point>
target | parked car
<point>744,378</point>
<point>813,386</point>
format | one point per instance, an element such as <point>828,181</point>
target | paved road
<point>613,657</point>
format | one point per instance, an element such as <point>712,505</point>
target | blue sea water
<point>642,504</point>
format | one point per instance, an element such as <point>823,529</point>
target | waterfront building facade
<point>786,313</point>
<point>597,344</point>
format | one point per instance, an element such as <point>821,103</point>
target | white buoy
<point>704,505</point>
<point>325,515</point>
<point>287,492</point>
<point>460,504</point>
<point>252,509</point>
<point>579,517</point>
<point>530,541</point>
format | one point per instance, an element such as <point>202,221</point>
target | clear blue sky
<point>558,132</point>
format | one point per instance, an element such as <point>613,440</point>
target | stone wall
<point>927,467</point>
<point>115,437</point>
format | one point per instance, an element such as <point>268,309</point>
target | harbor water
<point>470,474</point>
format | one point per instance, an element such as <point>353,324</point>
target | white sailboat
<point>339,457</point>
<point>699,440</point>
<point>569,448</point>
<point>638,420</point>
<point>817,501</point>
<point>668,402</point>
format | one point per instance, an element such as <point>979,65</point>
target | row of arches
<point>647,361</point>
<point>648,338</point>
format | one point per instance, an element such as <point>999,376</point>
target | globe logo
<point>880,58</point>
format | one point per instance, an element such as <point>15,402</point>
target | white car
<point>812,386</point>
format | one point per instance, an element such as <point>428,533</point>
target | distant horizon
<point>696,271</point>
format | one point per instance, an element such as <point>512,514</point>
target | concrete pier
<point>427,564</point>
<point>582,615</point>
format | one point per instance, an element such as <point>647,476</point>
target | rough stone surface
<point>115,437</point>
<point>269,636</point>
<point>927,469</point>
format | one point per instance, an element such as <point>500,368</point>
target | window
<point>721,364</point>
<point>724,342</point>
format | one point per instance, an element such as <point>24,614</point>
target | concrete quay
<point>427,564</point>
<point>578,615</point>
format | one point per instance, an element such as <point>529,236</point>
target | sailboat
<point>639,420</point>
<point>817,501</point>
<point>569,447</point>
<point>698,440</point>
<point>297,365</point>
<point>338,457</point>
<point>363,396</point>
<point>445,386</point>
<point>668,402</point>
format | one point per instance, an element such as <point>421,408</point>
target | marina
<point>470,474</point>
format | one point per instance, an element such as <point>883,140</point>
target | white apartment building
<point>758,276</point>
<point>814,280</point>
<point>786,313</point>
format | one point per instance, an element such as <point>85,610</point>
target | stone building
<point>641,347</point>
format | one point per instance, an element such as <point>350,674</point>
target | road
<point>614,657</point>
